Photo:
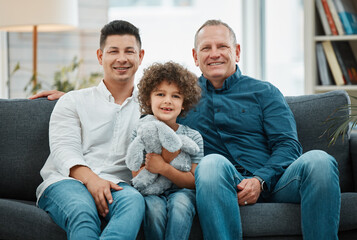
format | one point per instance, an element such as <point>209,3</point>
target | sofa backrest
<point>311,112</point>
<point>23,145</point>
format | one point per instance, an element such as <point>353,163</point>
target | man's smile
<point>215,63</point>
<point>121,68</point>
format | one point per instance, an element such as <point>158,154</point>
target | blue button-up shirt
<point>249,122</point>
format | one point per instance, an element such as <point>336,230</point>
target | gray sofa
<point>24,149</point>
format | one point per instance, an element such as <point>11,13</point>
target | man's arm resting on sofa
<point>353,152</point>
<point>50,94</point>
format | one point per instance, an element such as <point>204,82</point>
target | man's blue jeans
<point>170,215</point>
<point>311,180</point>
<point>72,207</point>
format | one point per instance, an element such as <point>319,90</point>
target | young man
<point>85,176</point>
<point>251,147</point>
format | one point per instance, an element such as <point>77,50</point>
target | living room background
<point>270,33</point>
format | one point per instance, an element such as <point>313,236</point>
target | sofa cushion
<point>311,112</point>
<point>283,219</point>
<point>24,145</point>
<point>22,220</point>
<point>259,221</point>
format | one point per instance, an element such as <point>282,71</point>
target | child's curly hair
<point>171,72</point>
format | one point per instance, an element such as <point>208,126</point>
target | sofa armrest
<point>353,152</point>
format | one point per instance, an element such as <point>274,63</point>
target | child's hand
<point>169,156</point>
<point>154,163</point>
<point>135,173</point>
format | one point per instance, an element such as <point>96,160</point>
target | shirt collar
<point>230,81</point>
<point>104,91</point>
<point>109,97</point>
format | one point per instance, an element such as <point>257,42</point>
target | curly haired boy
<point>166,91</point>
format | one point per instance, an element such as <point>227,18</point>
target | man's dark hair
<point>119,27</point>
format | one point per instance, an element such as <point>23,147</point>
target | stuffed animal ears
<point>188,145</point>
<point>168,138</point>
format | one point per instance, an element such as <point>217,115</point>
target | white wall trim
<point>4,93</point>
<point>252,38</point>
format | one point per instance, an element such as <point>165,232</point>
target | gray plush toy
<point>151,136</point>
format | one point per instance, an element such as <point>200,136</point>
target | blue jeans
<point>72,207</point>
<point>169,216</point>
<point>312,180</point>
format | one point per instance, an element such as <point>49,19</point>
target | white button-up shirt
<point>88,128</point>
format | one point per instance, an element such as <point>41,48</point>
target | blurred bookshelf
<point>313,34</point>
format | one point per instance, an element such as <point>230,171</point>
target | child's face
<point>166,103</point>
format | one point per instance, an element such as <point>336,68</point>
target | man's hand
<point>50,94</point>
<point>98,187</point>
<point>154,163</point>
<point>100,190</point>
<point>248,191</point>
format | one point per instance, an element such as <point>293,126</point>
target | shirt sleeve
<point>65,135</point>
<point>197,138</point>
<point>280,128</point>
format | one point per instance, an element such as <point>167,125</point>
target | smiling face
<point>120,57</point>
<point>216,54</point>
<point>166,103</point>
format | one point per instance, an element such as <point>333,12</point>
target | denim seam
<point>291,180</point>
<point>238,177</point>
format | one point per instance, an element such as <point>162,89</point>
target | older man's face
<point>216,55</point>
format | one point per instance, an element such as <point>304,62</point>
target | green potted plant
<point>335,128</point>
<point>66,79</point>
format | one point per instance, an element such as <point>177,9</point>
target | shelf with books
<point>315,35</point>
<point>337,17</point>
<point>336,62</point>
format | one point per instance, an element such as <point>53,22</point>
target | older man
<point>251,148</point>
